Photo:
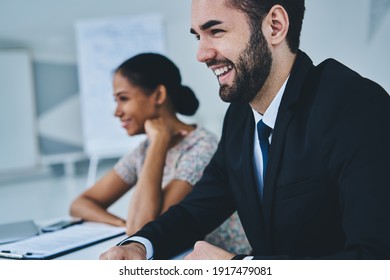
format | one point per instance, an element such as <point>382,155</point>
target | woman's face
<point>134,106</point>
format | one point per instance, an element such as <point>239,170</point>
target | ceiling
<point>47,26</point>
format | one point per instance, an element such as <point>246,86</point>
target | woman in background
<point>163,168</point>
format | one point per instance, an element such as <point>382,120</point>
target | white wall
<point>357,33</point>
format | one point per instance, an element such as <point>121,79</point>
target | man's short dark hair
<point>258,9</point>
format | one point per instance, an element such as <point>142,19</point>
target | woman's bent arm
<point>92,204</point>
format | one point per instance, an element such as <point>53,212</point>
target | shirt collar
<point>269,117</point>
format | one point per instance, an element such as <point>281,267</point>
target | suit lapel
<point>294,86</point>
<point>252,204</point>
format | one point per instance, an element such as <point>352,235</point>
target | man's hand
<point>132,251</point>
<point>206,251</point>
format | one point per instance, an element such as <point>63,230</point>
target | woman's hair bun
<point>185,101</point>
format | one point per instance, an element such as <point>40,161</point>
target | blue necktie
<point>263,132</point>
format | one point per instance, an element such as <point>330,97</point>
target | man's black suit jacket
<point>327,186</point>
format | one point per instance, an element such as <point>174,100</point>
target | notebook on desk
<point>53,244</point>
<point>16,231</point>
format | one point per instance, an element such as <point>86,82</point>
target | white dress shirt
<point>269,118</point>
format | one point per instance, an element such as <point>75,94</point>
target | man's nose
<point>205,52</point>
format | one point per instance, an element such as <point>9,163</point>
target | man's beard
<point>252,70</point>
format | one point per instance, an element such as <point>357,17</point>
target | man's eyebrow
<point>207,25</point>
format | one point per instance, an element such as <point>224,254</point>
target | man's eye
<point>216,31</point>
<point>197,37</point>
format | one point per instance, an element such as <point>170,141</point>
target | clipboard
<point>57,243</point>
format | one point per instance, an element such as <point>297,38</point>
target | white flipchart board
<point>102,45</point>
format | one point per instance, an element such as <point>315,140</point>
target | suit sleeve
<point>189,221</point>
<point>361,163</point>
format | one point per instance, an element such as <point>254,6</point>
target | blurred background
<point>50,116</point>
<point>45,148</point>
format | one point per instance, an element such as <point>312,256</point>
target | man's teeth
<point>222,70</point>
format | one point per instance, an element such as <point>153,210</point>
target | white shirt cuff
<point>148,245</point>
<point>248,258</point>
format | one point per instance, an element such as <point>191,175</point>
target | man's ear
<point>277,25</point>
<point>160,94</point>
